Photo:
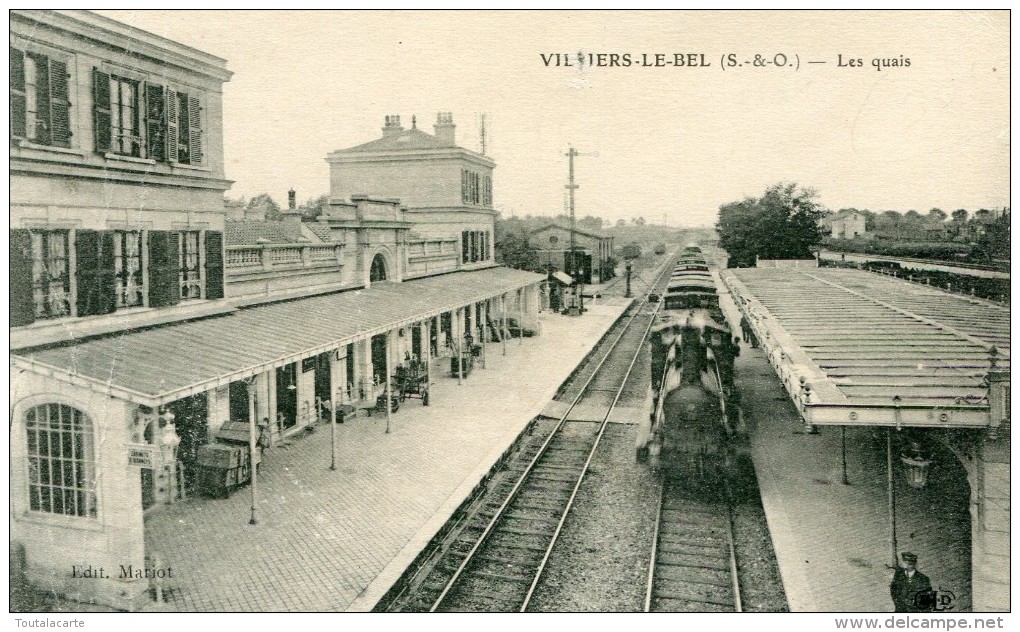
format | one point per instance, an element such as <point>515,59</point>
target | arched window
<point>378,271</point>
<point>61,461</point>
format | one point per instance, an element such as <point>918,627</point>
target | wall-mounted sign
<point>143,455</point>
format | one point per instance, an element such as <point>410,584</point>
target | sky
<point>665,143</point>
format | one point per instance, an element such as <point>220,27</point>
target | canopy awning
<point>563,277</point>
<point>160,365</point>
<point>876,350</point>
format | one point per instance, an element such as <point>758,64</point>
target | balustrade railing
<point>245,258</point>
<point>285,254</point>
<point>322,253</point>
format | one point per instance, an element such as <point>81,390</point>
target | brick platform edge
<point>421,544</point>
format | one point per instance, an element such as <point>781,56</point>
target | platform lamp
<point>916,465</point>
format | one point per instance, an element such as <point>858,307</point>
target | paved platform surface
<point>832,541</point>
<point>336,540</point>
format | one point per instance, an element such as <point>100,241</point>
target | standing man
<point>265,439</point>
<point>910,588</point>
<point>745,328</point>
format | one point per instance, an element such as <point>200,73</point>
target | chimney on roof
<point>234,210</point>
<point>392,125</point>
<point>292,199</point>
<point>445,128</point>
<point>291,221</point>
<point>255,214</point>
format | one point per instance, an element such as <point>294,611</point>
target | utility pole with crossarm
<point>571,187</point>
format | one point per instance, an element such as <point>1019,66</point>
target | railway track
<point>642,268</point>
<point>693,565</point>
<point>495,560</point>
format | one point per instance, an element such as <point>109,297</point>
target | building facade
<point>846,225</point>
<point>447,190</point>
<point>552,242</point>
<point>145,325</point>
<point>116,222</point>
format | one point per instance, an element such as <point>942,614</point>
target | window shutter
<point>164,286</point>
<point>97,284</point>
<point>17,93</point>
<point>60,106</point>
<point>155,121</point>
<point>101,110</point>
<point>195,129</point>
<point>22,307</point>
<point>171,125</point>
<point>42,96</point>
<point>213,264</point>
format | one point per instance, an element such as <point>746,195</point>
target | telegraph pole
<point>571,187</point>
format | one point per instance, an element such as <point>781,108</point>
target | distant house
<point>845,225</point>
<point>552,242</point>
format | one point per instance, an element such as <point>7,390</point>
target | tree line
<point>786,223</point>
<point>781,224</point>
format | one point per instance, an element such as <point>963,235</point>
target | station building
<point>552,242</point>
<point>143,321</point>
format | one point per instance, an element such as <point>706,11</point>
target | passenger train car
<point>695,425</point>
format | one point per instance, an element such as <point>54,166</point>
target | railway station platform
<point>829,514</point>
<point>336,540</point>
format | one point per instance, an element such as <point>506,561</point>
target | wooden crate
<point>221,456</point>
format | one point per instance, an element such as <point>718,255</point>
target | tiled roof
<point>248,232</point>
<point>409,139</point>
<point>320,230</point>
<point>577,229</point>
<point>163,364</point>
<point>870,341</point>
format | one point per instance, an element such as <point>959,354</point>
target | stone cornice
<point>344,156</point>
<point>111,34</point>
<point>20,166</point>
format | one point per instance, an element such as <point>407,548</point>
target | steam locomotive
<point>695,426</point>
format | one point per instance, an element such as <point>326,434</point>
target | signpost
<point>143,455</point>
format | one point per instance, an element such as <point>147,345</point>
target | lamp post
<point>502,306</point>
<point>458,340</point>
<point>251,447</point>
<point>891,493</point>
<point>842,437</point>
<point>520,315</point>
<point>388,394</point>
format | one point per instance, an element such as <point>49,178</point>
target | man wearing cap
<point>910,588</point>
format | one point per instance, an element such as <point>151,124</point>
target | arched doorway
<point>378,270</point>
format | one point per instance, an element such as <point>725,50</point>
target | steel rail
<point>662,487</point>
<point>737,602</point>
<point>730,539</point>
<point>587,462</point>
<point>490,527</point>
<point>655,548</point>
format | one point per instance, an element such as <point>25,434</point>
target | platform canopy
<point>155,366</point>
<point>874,350</point>
<point>563,277</point>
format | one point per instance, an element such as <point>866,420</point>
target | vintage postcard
<point>697,312</point>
